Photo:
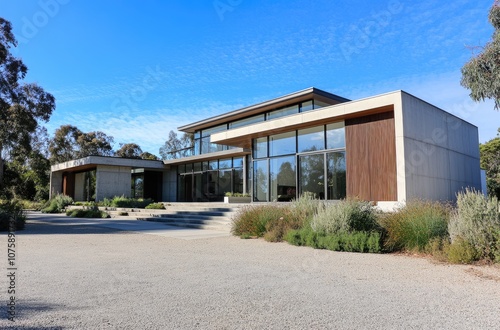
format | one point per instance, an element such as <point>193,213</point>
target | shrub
<point>345,216</point>
<point>461,252</point>
<point>155,206</point>
<point>477,222</point>
<point>252,220</point>
<point>125,202</point>
<point>415,225</point>
<point>306,207</point>
<point>11,212</point>
<point>31,205</point>
<point>340,241</point>
<point>90,213</point>
<point>57,204</point>
<point>276,229</point>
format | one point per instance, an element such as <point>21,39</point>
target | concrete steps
<point>214,216</point>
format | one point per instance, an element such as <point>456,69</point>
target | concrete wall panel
<point>113,181</point>
<point>441,152</point>
<point>79,186</point>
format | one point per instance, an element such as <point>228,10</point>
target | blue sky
<point>138,69</point>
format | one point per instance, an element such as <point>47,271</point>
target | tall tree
<point>27,172</point>
<point>176,147</point>
<point>481,75</point>
<point>22,105</point>
<point>129,150</point>
<point>71,143</point>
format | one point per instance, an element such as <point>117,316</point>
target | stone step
<point>215,216</point>
<point>212,225</point>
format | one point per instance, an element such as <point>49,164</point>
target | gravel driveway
<point>79,275</point>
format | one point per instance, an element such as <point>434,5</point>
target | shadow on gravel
<point>47,224</point>
<point>26,310</point>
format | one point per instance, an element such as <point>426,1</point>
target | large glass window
<point>282,144</point>
<point>311,139</point>
<point>225,163</point>
<point>260,180</point>
<point>336,175</point>
<point>238,162</point>
<point>320,104</point>
<point>306,106</point>
<point>225,182</point>
<point>312,175</point>
<point>291,110</point>
<point>335,136</point>
<point>246,121</point>
<point>260,147</point>
<point>212,130</point>
<point>283,179</point>
<point>238,180</point>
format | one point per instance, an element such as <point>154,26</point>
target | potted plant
<point>237,198</point>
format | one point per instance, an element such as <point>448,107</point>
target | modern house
<point>387,149</point>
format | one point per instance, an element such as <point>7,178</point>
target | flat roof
<point>92,161</point>
<point>258,108</point>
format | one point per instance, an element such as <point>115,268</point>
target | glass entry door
<point>312,175</point>
<point>323,175</point>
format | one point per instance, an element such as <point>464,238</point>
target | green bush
<point>461,252</point>
<point>31,205</point>
<point>415,225</point>
<point>342,241</point>
<point>345,216</point>
<point>155,206</point>
<point>57,204</point>
<point>11,212</point>
<point>252,220</point>
<point>477,222</point>
<point>272,221</point>
<point>126,202</point>
<point>306,207</point>
<point>90,213</point>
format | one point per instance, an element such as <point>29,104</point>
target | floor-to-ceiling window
<point>310,160</point>
<point>282,174</point>
<point>209,181</point>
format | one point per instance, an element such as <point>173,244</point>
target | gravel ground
<point>80,276</point>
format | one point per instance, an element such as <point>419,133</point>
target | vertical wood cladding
<point>69,184</point>
<point>371,157</point>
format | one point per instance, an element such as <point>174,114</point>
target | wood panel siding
<point>371,157</point>
<point>68,185</point>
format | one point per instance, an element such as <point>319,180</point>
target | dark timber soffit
<point>262,107</point>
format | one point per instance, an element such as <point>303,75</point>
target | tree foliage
<point>176,147</point>
<point>71,143</point>
<point>27,173</point>
<point>481,75</point>
<point>149,156</point>
<point>22,105</point>
<point>129,150</point>
<point>490,162</point>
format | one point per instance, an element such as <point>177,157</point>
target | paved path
<point>86,274</point>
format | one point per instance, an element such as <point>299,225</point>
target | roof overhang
<point>255,109</point>
<point>242,137</point>
<point>91,162</point>
<point>236,152</point>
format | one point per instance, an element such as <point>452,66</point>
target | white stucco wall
<point>113,181</point>
<point>441,152</point>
